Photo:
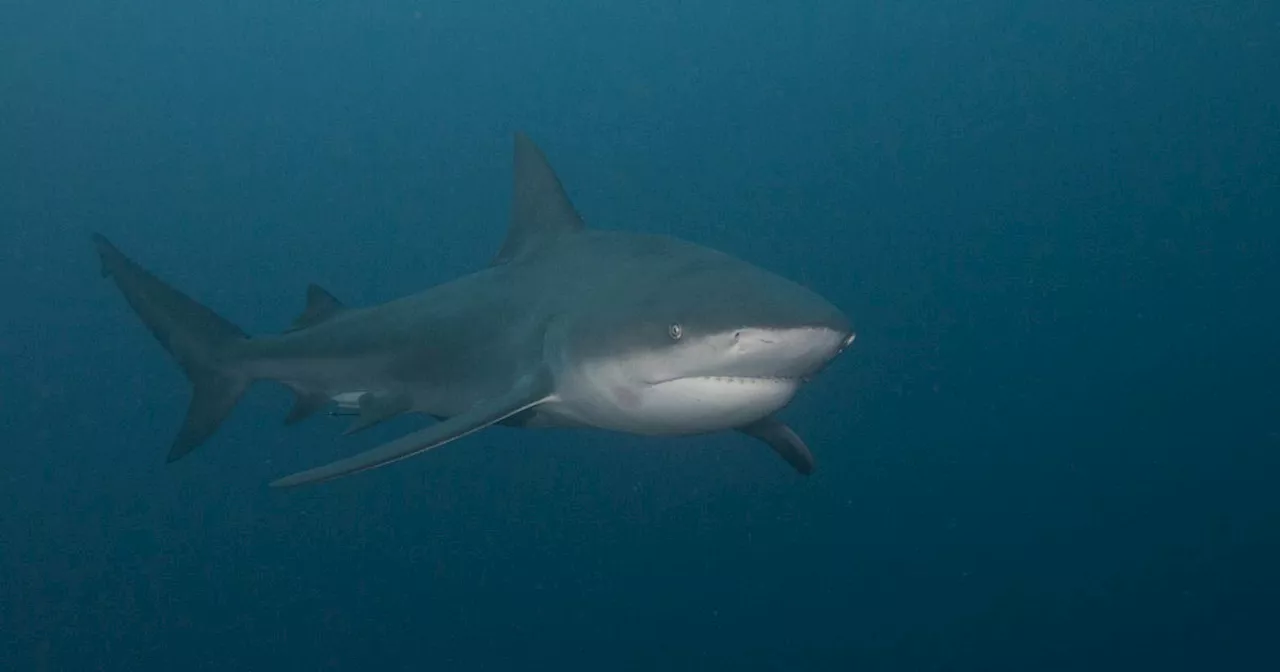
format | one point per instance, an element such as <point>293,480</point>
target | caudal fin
<point>198,339</point>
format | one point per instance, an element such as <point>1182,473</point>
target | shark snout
<point>848,341</point>
<point>798,352</point>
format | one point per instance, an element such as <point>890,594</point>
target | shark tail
<point>200,340</point>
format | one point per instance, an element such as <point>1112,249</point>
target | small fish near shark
<point>566,327</point>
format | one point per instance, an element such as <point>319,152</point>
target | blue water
<point>1055,445</point>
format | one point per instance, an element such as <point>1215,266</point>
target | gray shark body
<point>566,327</point>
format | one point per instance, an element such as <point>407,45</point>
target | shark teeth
<point>740,380</point>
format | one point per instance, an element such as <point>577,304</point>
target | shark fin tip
<point>106,253</point>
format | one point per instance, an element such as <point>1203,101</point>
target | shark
<point>566,326</point>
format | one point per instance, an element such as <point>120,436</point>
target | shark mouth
<point>743,380</point>
<point>733,380</point>
<point>690,404</point>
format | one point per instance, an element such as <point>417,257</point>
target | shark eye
<point>675,331</point>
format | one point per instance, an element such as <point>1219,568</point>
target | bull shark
<point>566,327</point>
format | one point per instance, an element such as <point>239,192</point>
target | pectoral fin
<point>528,393</point>
<point>785,442</point>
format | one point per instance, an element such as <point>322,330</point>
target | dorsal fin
<point>540,210</point>
<point>320,307</point>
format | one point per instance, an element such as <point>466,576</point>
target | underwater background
<point>1054,446</point>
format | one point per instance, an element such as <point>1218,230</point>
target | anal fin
<point>783,440</point>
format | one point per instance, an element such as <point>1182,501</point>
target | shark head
<point>703,342</point>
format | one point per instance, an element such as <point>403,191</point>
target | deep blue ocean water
<point>1054,446</point>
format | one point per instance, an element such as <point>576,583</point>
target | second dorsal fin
<point>541,212</point>
<point>321,306</point>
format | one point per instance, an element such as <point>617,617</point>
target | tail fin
<point>196,337</point>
